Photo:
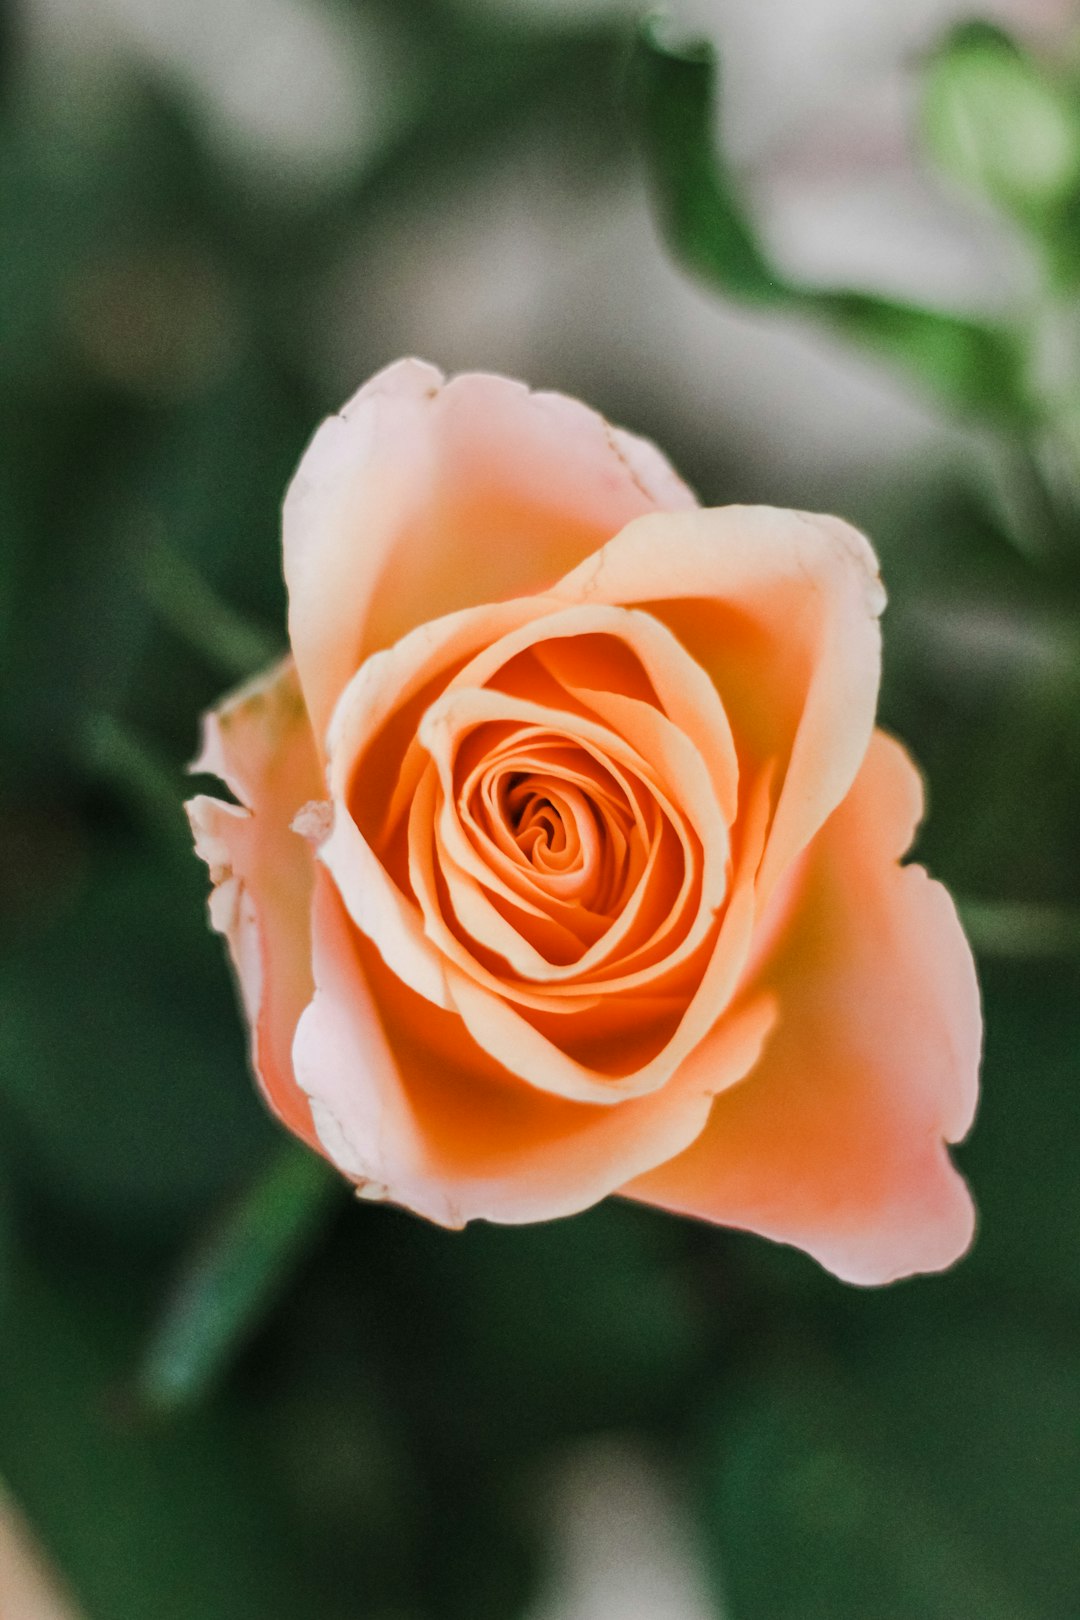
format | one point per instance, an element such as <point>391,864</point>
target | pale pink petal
<point>259,743</point>
<point>425,496</point>
<point>835,1141</point>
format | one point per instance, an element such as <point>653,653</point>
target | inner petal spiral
<point>558,851</point>
<point>555,817</point>
<point>552,827</point>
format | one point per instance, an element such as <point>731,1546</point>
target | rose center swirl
<point>558,811</point>
<point>553,829</point>
<point>554,858</point>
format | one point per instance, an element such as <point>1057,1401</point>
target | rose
<point>566,860</point>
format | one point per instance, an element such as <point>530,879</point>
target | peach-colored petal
<point>469,648</point>
<point>685,693</point>
<point>668,764</point>
<point>381,910</point>
<point>465,870</point>
<point>782,609</point>
<point>607,1066</point>
<point>389,684</point>
<point>473,647</point>
<point>425,496</point>
<point>835,1141</point>
<point>259,743</point>
<point>413,1112</point>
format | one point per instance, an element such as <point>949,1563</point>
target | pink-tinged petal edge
<point>258,741</point>
<point>414,1113</point>
<point>795,651</point>
<point>417,473</point>
<point>835,1141</point>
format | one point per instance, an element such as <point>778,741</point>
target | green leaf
<point>967,364</point>
<point>1021,930</point>
<point>117,754</point>
<point>914,1470</point>
<point>700,209</point>
<point>970,365</point>
<point>995,121</point>
<point>235,1275</point>
<point>200,617</point>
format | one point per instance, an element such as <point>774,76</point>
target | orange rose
<point>567,855</point>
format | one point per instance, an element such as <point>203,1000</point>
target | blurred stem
<point>118,754</point>
<point>231,1280</point>
<point>1027,930</point>
<point>190,606</point>
<point>1042,470</point>
<point>1030,508</point>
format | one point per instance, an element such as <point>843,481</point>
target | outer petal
<point>414,1112</point>
<point>835,1141</point>
<point>782,609</point>
<point>425,496</point>
<point>259,742</point>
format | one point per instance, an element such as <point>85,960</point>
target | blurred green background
<point>226,1391</point>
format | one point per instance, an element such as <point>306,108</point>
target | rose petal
<point>608,1057</point>
<point>415,476</point>
<point>667,763</point>
<point>259,743</point>
<point>782,609</point>
<point>408,1107</point>
<point>472,646</point>
<point>835,1141</point>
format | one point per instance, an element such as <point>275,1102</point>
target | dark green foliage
<point>908,1467</point>
<point>172,1522</point>
<point>122,1065</point>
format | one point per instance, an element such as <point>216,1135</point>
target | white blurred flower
<point>620,1547</point>
<point>293,90</point>
<point>818,112</point>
